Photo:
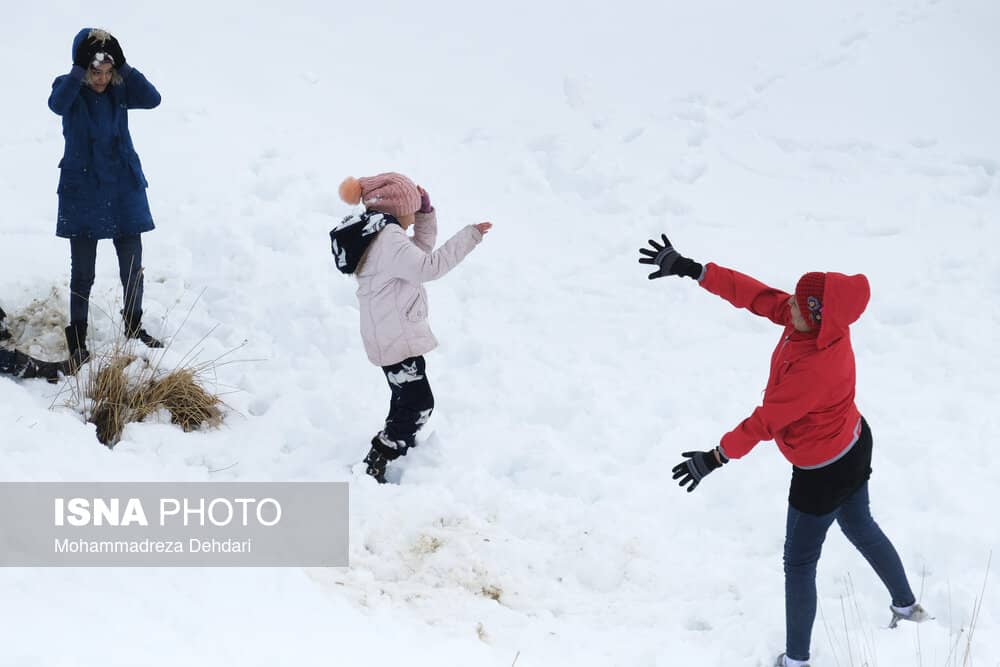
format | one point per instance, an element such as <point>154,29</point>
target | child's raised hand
<point>425,201</point>
<point>484,227</point>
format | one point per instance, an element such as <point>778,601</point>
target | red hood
<point>844,299</point>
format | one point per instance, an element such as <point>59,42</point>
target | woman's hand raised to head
<point>114,50</point>
<point>484,227</point>
<point>85,52</point>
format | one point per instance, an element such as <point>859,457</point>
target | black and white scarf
<point>353,235</point>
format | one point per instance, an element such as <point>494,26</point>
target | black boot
<point>76,341</point>
<point>376,462</point>
<point>28,368</point>
<point>133,329</point>
<point>4,334</point>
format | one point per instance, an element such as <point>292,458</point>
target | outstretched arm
<point>786,402</point>
<point>409,262</point>
<point>745,292</point>
<point>738,289</point>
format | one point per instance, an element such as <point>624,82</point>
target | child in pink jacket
<point>391,267</point>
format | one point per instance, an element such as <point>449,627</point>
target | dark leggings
<point>83,259</point>
<point>409,408</point>
<point>804,535</point>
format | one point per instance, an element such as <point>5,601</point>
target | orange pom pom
<point>350,190</point>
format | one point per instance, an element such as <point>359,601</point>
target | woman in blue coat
<point>102,190</point>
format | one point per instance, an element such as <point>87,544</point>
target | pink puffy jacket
<point>390,291</point>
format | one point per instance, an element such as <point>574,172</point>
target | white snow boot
<point>914,613</point>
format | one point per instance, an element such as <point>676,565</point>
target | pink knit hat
<point>390,193</point>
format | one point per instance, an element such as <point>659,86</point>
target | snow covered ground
<point>537,523</point>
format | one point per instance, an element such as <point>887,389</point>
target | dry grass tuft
<point>125,383</point>
<point>112,400</point>
<point>123,388</point>
<point>189,404</point>
<point>126,389</point>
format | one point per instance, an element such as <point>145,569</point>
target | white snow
<point>537,523</point>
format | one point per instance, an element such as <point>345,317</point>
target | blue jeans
<point>804,535</point>
<point>83,261</point>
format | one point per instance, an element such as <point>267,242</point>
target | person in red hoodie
<point>810,413</point>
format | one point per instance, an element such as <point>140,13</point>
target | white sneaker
<point>914,613</point>
<point>784,661</point>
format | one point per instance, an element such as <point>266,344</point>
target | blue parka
<point>102,190</point>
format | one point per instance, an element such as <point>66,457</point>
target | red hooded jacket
<point>808,407</point>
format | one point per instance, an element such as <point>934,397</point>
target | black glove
<point>698,465</point>
<point>114,49</point>
<point>85,52</point>
<point>671,262</point>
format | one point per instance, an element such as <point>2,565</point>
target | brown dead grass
<point>116,400</point>
<point>189,404</point>
<point>112,407</point>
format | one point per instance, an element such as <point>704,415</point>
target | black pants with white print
<point>409,409</point>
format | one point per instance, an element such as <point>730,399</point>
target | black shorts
<point>821,490</point>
